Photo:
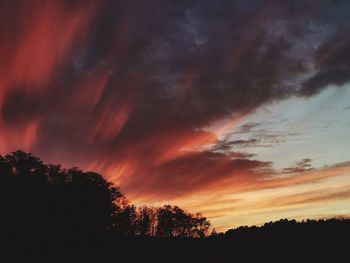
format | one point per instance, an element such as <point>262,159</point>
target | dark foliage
<point>49,208</point>
<point>282,234</point>
<point>54,214</point>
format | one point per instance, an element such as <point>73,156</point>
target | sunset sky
<point>239,110</point>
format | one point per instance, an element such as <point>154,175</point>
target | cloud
<point>331,62</point>
<point>244,142</point>
<point>312,194</point>
<point>247,127</point>
<point>302,166</point>
<point>192,172</point>
<point>128,89</point>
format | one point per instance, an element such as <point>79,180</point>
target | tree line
<point>55,214</point>
<point>37,198</point>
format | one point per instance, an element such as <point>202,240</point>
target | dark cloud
<point>244,142</point>
<point>343,164</point>
<point>133,84</point>
<point>259,138</point>
<point>332,65</point>
<point>302,166</point>
<point>197,171</point>
<point>248,127</point>
<point>21,106</point>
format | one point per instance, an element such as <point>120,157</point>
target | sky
<point>239,110</point>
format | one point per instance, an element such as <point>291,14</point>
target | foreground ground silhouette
<point>53,214</point>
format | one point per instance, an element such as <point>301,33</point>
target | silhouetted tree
<point>50,203</point>
<point>145,221</point>
<point>125,223</point>
<point>172,221</point>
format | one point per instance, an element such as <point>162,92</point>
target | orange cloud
<point>37,36</point>
<point>316,194</point>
